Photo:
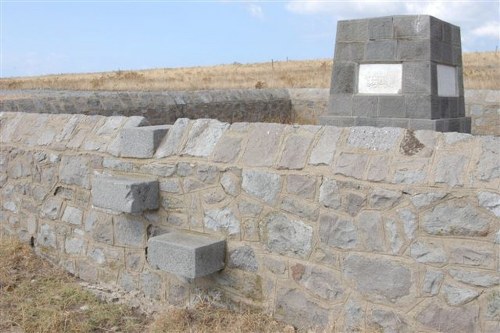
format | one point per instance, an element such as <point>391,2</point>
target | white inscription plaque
<point>447,81</point>
<point>380,78</point>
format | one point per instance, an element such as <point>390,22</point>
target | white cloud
<point>489,29</point>
<point>469,15</point>
<point>255,10</point>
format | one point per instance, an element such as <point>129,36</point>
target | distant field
<point>481,71</point>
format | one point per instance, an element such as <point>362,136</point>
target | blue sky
<point>51,37</point>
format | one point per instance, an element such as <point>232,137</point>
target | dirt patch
<point>410,144</point>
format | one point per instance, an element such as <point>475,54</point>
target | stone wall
<point>483,106</point>
<point>351,229</point>
<point>303,106</point>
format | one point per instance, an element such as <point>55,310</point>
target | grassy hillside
<point>481,71</point>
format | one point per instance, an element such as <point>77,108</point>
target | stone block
<point>352,30</point>
<point>128,195</point>
<point>263,144</point>
<point>406,27</point>
<point>349,51</point>
<point>414,50</point>
<point>295,152</point>
<point>263,185</point>
<point>384,50</point>
<point>344,74</point>
<point>325,148</point>
<point>340,104</point>
<point>338,121</point>
<point>392,106</point>
<point>186,254</point>
<point>203,136</point>
<point>365,106</point>
<point>172,144</point>
<point>141,142</point>
<point>380,28</point>
<point>422,107</point>
<point>381,139</point>
<point>417,78</point>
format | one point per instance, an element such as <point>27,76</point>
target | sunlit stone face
<point>447,81</point>
<point>380,78</point>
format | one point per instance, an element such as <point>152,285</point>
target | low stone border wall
<point>297,105</point>
<point>343,228</point>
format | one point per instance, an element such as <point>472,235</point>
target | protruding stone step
<point>128,195</point>
<point>186,254</point>
<point>141,142</point>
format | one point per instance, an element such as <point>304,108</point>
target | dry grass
<point>481,71</point>
<point>37,297</point>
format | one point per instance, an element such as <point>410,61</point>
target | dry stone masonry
<point>403,71</point>
<point>348,229</point>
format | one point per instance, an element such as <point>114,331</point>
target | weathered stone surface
<point>129,231</point>
<point>455,218</point>
<point>387,322</point>
<point>286,236</point>
<point>141,142</point>
<point>263,185</point>
<point>100,226</point>
<point>203,137</point>
<point>378,168</point>
<point>493,306</point>
<point>383,199</point>
<point>351,165</point>
<point>428,252</point>
<point>129,195</point>
<point>380,279</point>
<point>117,164</point>
<point>170,186</point>
<point>294,307</point>
<point>395,237</point>
<point>173,143</point>
<point>458,296</point>
<point>300,208</point>
<point>151,285</point>
<point>320,282</point>
<point>72,215</point>
<point>186,254</point>
<point>329,194</point>
<point>227,149</point>
<point>371,231</point>
<point>242,283</point>
<point>263,144</point>
<point>159,169</point>
<point>248,208</point>
<point>191,185</point>
<point>472,253</point>
<point>301,185</point>
<point>243,258</point>
<point>432,282</point>
<point>75,170</point>
<point>353,203</point>
<point>354,316</point>
<point>75,244</point>
<point>231,183</point>
<point>409,223</point>
<point>295,152</point>
<point>224,220</point>
<point>490,201</point>
<point>475,278</point>
<point>487,168</point>
<point>323,151</point>
<point>51,208</point>
<point>450,319</point>
<point>425,199</point>
<point>209,174</point>
<point>46,236</point>
<point>450,168</point>
<point>373,138</point>
<point>337,231</point>
<point>275,266</point>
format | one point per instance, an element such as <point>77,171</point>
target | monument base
<point>461,124</point>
